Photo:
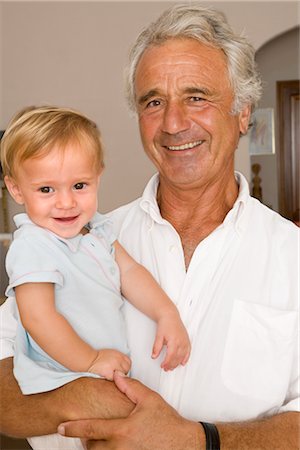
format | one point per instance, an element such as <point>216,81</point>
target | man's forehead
<point>180,52</point>
<point>185,62</point>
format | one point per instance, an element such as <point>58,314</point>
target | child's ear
<point>14,190</point>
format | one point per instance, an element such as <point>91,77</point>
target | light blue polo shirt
<point>87,293</point>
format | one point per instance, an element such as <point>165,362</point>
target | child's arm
<point>57,338</point>
<point>142,291</point>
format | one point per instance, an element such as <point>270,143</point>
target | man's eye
<point>153,103</point>
<point>196,99</point>
<point>46,189</point>
<point>79,186</point>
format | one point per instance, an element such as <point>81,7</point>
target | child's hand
<point>109,360</point>
<point>172,333</point>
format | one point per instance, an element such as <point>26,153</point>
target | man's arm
<point>279,432</point>
<point>154,425</point>
<point>39,414</point>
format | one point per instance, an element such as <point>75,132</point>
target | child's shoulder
<point>30,237</point>
<point>27,229</point>
<point>101,225</point>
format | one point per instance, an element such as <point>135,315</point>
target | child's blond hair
<point>34,131</point>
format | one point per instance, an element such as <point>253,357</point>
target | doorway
<point>288,108</point>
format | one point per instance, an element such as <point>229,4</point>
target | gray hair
<point>209,27</point>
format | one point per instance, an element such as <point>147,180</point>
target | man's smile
<point>187,146</point>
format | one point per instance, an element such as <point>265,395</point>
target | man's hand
<point>82,398</point>
<point>152,425</point>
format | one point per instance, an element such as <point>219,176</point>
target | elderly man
<point>228,263</point>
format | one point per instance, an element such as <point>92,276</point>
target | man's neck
<point>195,213</point>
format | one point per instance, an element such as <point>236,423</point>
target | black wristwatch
<point>212,436</point>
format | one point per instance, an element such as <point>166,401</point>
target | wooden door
<point>288,107</point>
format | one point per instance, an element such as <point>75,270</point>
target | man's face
<point>184,102</point>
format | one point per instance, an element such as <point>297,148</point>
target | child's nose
<point>65,200</point>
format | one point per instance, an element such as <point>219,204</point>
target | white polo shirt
<point>238,300</point>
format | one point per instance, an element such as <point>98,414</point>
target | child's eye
<point>46,189</point>
<point>79,186</point>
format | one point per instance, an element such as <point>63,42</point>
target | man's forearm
<point>279,432</point>
<point>155,425</point>
<point>38,414</point>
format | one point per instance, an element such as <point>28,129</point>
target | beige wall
<point>274,68</point>
<point>73,53</point>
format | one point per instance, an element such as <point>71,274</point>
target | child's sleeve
<point>30,261</point>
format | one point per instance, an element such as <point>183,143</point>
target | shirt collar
<point>235,216</point>
<point>22,219</point>
<point>97,220</point>
<point>72,243</point>
<point>149,202</point>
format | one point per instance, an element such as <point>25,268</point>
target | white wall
<point>73,53</point>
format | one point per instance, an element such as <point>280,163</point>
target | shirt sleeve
<point>292,401</point>
<point>109,232</point>
<point>8,328</point>
<point>31,260</point>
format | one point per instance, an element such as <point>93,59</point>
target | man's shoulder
<point>273,225</point>
<point>272,216</point>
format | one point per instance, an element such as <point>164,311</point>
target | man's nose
<point>175,119</point>
<point>65,200</point>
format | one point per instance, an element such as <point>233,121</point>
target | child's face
<point>59,190</point>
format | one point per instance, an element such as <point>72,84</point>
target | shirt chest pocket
<point>259,351</point>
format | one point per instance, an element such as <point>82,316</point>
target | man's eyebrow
<point>144,98</point>
<point>188,90</point>
<point>197,90</point>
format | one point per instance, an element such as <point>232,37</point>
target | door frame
<point>287,96</point>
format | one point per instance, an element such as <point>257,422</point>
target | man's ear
<point>14,190</point>
<point>244,119</point>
